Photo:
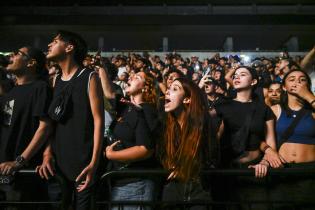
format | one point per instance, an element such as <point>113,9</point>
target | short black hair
<point>40,58</point>
<point>80,46</point>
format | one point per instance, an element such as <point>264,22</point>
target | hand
<point>110,149</point>
<point>273,158</point>
<point>47,168</point>
<point>9,167</point>
<point>172,175</point>
<point>260,170</point>
<point>86,178</point>
<point>203,80</point>
<point>301,91</point>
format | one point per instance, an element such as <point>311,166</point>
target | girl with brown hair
<point>184,150</point>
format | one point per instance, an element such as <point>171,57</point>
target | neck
<point>136,99</point>
<point>244,96</point>
<point>294,102</point>
<point>212,97</point>
<point>68,67</point>
<point>25,79</point>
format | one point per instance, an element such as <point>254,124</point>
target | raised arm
<point>307,60</point>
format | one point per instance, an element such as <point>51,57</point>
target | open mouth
<point>167,101</point>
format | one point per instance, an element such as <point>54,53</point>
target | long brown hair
<point>149,90</point>
<point>181,147</point>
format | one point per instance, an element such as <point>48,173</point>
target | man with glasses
<point>24,123</point>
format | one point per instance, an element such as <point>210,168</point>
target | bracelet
<point>311,103</point>
<point>265,148</point>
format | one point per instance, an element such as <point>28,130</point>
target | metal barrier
<point>208,204</point>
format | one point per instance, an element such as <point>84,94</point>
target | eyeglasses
<point>19,52</point>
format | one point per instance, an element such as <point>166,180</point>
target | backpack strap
<point>290,129</point>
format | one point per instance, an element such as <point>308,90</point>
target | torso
<point>292,151</point>
<point>234,115</point>
<point>297,153</point>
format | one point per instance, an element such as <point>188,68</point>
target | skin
<point>174,97</point>
<point>298,94</point>
<point>174,102</point>
<point>273,94</point>
<point>171,77</point>
<point>62,53</point>
<point>135,88</point>
<point>243,83</point>
<point>24,67</point>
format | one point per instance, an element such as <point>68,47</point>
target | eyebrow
<point>296,76</point>
<point>177,85</point>
<point>242,72</point>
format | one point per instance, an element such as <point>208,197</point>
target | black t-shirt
<point>73,143</point>
<point>21,110</point>
<point>233,114</point>
<point>132,129</point>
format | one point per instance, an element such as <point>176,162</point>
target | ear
<point>31,63</point>
<point>69,48</point>
<point>186,101</point>
<point>254,82</point>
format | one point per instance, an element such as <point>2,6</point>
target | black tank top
<point>73,143</point>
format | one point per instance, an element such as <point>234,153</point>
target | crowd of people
<point>73,116</point>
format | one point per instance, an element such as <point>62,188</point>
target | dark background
<point>195,25</point>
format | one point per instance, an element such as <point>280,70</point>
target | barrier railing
<point>157,204</point>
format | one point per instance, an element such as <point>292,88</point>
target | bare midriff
<point>297,153</point>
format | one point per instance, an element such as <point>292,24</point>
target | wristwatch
<point>20,160</point>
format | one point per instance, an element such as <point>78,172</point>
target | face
<point>171,77</point>
<point>118,63</point>
<point>294,78</point>
<point>135,83</point>
<point>283,65</point>
<point>174,97</point>
<point>217,75</point>
<point>222,62</point>
<point>242,79</point>
<point>139,64</point>
<point>87,61</point>
<point>18,60</point>
<point>209,88</point>
<point>56,49</point>
<point>195,76</point>
<point>274,93</point>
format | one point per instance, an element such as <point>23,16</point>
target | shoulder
<point>225,108</point>
<point>40,84</point>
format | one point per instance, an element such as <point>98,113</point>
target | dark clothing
<point>297,191</point>
<point>84,200</point>
<point>233,114</point>
<point>189,191</point>
<point>132,129</point>
<point>21,110</point>
<point>73,143</point>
